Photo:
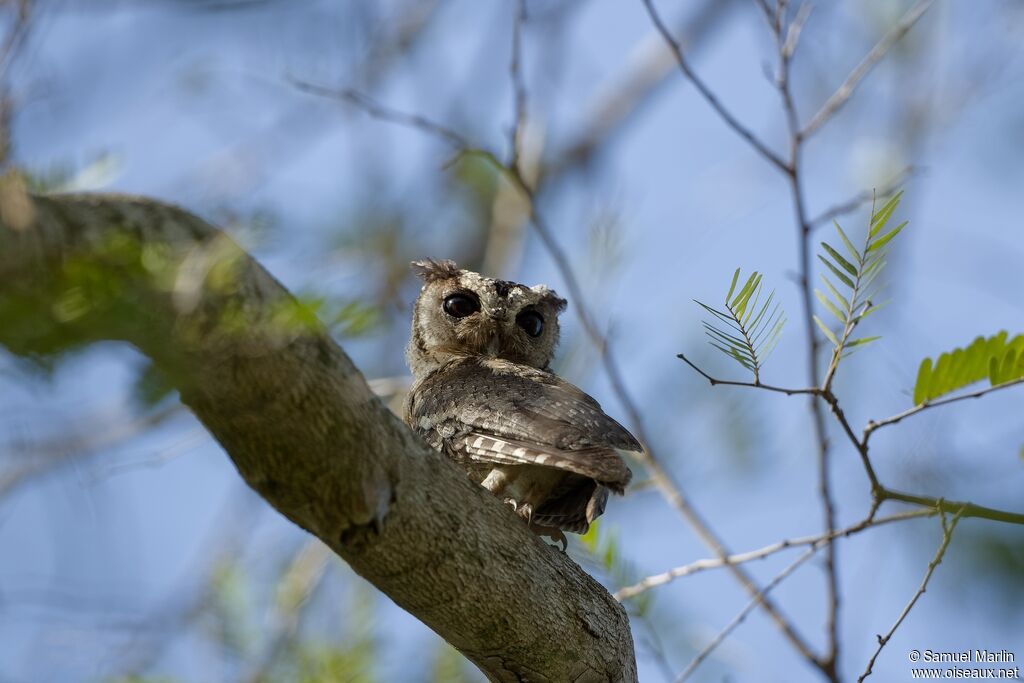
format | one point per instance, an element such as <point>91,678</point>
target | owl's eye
<point>460,305</point>
<point>532,322</point>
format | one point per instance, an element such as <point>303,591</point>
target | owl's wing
<point>497,411</point>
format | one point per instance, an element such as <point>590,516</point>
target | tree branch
<point>303,428</point>
<point>710,97</point>
<point>846,90</point>
<point>816,540</point>
<point>876,424</point>
<point>947,536</point>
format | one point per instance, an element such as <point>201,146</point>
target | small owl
<point>484,395</point>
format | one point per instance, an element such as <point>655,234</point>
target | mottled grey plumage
<point>484,395</point>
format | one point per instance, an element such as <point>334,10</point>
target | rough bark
<point>303,428</point>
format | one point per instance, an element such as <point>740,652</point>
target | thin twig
<point>859,444</point>
<point>921,407</point>
<point>738,619</point>
<point>947,536</point>
<point>698,566</point>
<point>846,90</point>
<point>709,96</point>
<point>753,385</point>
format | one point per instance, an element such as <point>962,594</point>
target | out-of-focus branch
<point>43,457</point>
<point>846,90</point>
<point>618,101</point>
<point>304,574</point>
<point>303,428</point>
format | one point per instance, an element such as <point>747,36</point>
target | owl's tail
<point>604,465</point>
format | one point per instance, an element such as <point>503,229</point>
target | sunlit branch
<point>816,540</point>
<point>964,509</point>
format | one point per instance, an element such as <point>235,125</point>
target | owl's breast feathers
<point>488,414</point>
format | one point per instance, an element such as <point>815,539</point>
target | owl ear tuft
<point>430,270</point>
<point>551,298</point>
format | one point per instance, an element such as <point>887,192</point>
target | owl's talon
<point>525,511</point>
<point>554,533</point>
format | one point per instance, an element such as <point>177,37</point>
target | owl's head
<point>460,312</point>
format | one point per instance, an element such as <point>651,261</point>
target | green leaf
<point>886,238</point>
<point>879,219</point>
<point>846,241</point>
<point>835,271</point>
<point>994,358</point>
<point>739,304</point>
<point>751,326</point>
<point>732,285</point>
<point>835,292</point>
<point>849,267</point>
<point>830,306</point>
<point>827,332</point>
<point>922,385</point>
<point>863,340</point>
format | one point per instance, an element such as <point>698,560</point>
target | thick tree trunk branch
<point>303,428</point>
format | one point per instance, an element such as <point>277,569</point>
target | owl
<point>484,395</point>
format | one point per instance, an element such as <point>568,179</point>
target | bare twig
<point>817,540</point>
<point>947,536</point>
<point>878,424</point>
<point>753,385</point>
<point>709,96</point>
<point>846,90</point>
<point>738,619</point>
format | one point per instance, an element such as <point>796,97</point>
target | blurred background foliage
<point>132,551</point>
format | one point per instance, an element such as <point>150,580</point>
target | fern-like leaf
<point>749,327</point>
<point>994,358</point>
<point>849,284</point>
